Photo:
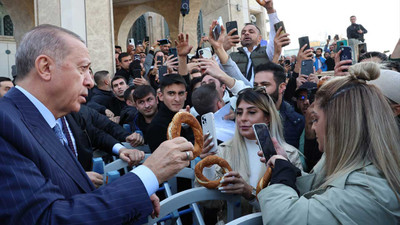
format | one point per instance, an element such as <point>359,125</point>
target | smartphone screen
<point>216,31</point>
<point>146,39</point>
<point>304,40</point>
<point>307,67</point>
<point>362,48</point>
<point>264,140</point>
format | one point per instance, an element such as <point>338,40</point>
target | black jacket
<point>352,32</point>
<point>87,136</point>
<point>157,131</point>
<point>127,115</point>
<point>103,123</point>
<point>293,124</point>
<point>100,100</point>
<point>139,124</point>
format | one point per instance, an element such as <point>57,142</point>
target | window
<point>8,26</point>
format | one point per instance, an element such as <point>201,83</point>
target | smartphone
<point>136,73</point>
<point>160,60</point>
<point>205,53</point>
<point>132,42</point>
<point>208,125</point>
<point>340,44</point>
<point>307,67</point>
<point>230,26</point>
<point>173,51</point>
<point>362,48</point>
<point>162,70</point>
<point>217,28</point>
<point>346,55</point>
<point>163,41</point>
<point>140,42</point>
<point>264,140</point>
<point>287,62</point>
<point>146,39</point>
<point>304,40</point>
<point>278,25</point>
<point>329,37</point>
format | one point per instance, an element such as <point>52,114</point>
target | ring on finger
<point>187,155</point>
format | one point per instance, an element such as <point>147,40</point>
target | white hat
<point>389,83</point>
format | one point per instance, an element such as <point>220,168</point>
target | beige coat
<point>361,196</point>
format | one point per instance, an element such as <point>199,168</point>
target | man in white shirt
<point>251,54</point>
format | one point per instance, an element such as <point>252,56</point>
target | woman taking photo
<point>252,106</point>
<point>357,181</point>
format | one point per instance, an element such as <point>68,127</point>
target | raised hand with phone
<point>281,40</point>
<point>341,64</point>
<point>218,44</point>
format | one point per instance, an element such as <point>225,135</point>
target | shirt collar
<point>247,50</point>
<point>45,112</point>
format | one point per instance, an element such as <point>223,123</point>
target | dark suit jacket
<point>86,137</point>
<point>43,183</point>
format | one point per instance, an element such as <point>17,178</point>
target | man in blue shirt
<point>319,62</point>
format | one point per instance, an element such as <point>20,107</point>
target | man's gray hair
<point>42,40</point>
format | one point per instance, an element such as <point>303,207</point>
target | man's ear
<point>259,39</point>
<point>282,88</point>
<point>223,86</point>
<point>219,104</point>
<point>160,96</point>
<point>44,66</point>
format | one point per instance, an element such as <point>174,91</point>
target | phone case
<point>205,52</point>
<point>346,54</point>
<point>278,25</point>
<point>162,70</point>
<point>303,41</point>
<point>208,125</point>
<point>307,67</point>
<point>230,26</point>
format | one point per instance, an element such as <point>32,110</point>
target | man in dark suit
<point>42,181</point>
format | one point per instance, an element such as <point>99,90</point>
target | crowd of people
<point>336,137</point>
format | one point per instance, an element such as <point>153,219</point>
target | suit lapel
<point>45,136</point>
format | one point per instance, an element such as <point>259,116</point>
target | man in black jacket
<point>273,77</point>
<point>356,31</point>
<point>172,96</point>
<point>102,94</point>
<point>147,105</point>
<point>125,60</point>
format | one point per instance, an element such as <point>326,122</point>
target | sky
<point>319,18</point>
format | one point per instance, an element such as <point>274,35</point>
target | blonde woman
<point>252,106</point>
<point>358,179</point>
